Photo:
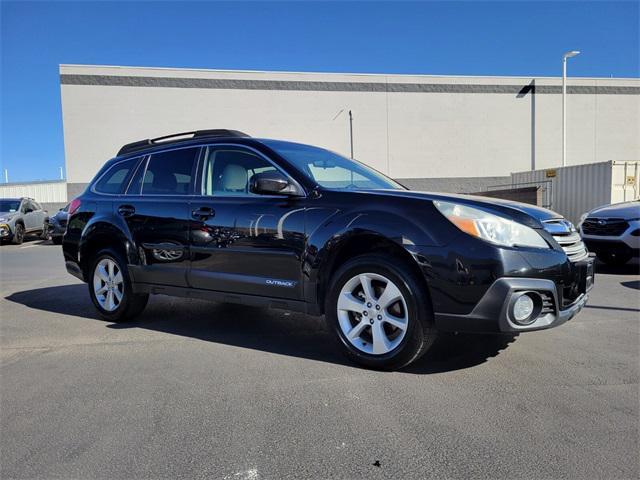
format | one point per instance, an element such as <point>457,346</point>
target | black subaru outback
<point>219,215</point>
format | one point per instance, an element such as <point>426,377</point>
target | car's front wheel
<point>110,288</point>
<point>18,234</point>
<point>380,312</point>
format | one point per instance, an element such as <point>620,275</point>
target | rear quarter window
<point>113,181</point>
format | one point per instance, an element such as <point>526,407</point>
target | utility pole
<point>567,55</point>
<point>61,174</point>
<point>6,176</point>
<point>351,132</point>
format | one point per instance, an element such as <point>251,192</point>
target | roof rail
<point>178,137</point>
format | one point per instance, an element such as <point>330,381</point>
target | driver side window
<point>228,171</point>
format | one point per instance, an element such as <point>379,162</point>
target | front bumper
<point>492,314</point>
<point>615,246</point>
<point>5,231</point>
<point>56,230</point>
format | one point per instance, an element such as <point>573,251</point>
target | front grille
<point>572,245</point>
<point>612,227</point>
<point>565,234</point>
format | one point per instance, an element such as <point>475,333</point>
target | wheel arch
<point>359,244</point>
<point>101,235</point>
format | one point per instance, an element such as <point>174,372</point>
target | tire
<point>614,259</point>
<point>57,240</point>
<point>380,344</point>
<point>18,235</point>
<point>120,304</point>
<point>44,234</point>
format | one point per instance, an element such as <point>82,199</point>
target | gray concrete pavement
<point>203,390</point>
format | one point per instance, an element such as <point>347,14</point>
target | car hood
<point>7,215</point>
<point>522,212</point>
<point>624,210</point>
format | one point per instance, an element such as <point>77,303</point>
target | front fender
<point>339,228</point>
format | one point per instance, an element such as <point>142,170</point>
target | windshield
<point>9,205</point>
<point>331,170</point>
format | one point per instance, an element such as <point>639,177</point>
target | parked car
<point>58,225</point>
<point>20,217</point>
<point>222,216</point>
<point>613,232</point>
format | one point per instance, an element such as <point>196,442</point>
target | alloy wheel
<point>372,313</point>
<point>108,284</point>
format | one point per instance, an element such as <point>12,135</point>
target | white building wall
<point>42,192</point>
<point>450,127</point>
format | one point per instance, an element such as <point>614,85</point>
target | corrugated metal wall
<point>42,192</point>
<point>577,189</point>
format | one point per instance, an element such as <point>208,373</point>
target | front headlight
<point>493,228</point>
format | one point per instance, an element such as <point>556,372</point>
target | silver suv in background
<point>20,217</point>
<point>613,232</point>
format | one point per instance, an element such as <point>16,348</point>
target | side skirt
<point>215,296</point>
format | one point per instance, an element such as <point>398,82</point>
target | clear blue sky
<point>474,38</point>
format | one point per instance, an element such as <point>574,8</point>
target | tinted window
<point>169,173</point>
<point>113,180</point>
<point>331,170</point>
<point>228,171</point>
<point>9,205</point>
<point>30,205</point>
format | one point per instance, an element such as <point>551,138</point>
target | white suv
<point>613,232</point>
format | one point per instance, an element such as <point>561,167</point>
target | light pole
<point>567,55</point>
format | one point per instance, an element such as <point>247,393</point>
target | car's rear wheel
<point>18,234</point>
<point>110,288</point>
<point>380,312</point>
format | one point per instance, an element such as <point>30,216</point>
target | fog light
<point>522,309</point>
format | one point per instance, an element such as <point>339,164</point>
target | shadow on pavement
<point>635,284</point>
<point>273,331</point>
<point>606,307</point>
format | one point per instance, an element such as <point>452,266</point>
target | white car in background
<point>613,232</point>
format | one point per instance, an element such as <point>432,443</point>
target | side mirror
<point>272,183</point>
<point>28,210</point>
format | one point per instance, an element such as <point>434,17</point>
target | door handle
<point>126,210</point>
<point>203,213</point>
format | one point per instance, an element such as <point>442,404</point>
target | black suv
<point>219,215</point>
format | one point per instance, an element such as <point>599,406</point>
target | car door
<point>243,242</point>
<point>40,214</point>
<point>29,215</point>
<point>156,212</point>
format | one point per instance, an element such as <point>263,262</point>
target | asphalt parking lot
<point>205,390</point>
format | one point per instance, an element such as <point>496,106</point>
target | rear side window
<point>169,173</point>
<point>114,179</point>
